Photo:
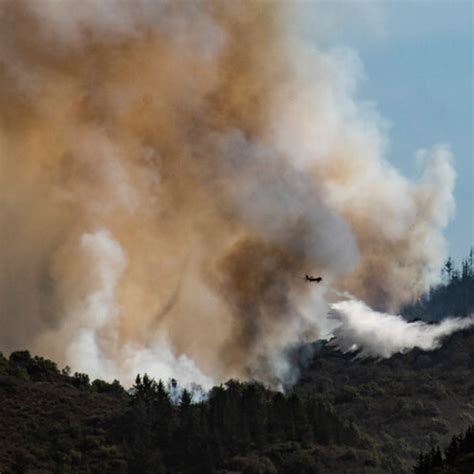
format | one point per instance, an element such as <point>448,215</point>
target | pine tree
<point>452,450</point>
<point>448,268</point>
<point>466,271</point>
<point>419,467</point>
<point>437,459</point>
<point>303,429</point>
<point>185,400</point>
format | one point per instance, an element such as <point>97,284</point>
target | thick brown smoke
<point>168,169</point>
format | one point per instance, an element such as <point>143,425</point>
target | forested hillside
<point>407,403</point>
<point>346,415</point>
<point>453,297</point>
<point>458,457</point>
<point>55,422</point>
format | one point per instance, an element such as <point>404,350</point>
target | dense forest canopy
<point>412,412</point>
<point>458,456</point>
<point>454,296</point>
<point>344,415</point>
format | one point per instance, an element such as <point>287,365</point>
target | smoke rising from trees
<point>169,169</point>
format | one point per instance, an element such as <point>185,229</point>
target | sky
<point>417,57</point>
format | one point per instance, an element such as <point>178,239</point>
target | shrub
<point>80,380</point>
<point>113,388</point>
<point>347,394</point>
<point>37,368</point>
<point>425,409</point>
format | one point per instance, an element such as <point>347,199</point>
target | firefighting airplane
<point>310,278</point>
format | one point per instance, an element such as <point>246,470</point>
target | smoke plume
<point>168,169</point>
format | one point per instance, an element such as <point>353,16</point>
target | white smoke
<point>91,330</point>
<point>141,137</point>
<point>377,334</point>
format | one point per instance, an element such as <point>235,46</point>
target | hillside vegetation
<point>453,297</point>
<point>345,415</point>
<point>407,403</point>
<point>413,412</point>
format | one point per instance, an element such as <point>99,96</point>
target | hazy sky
<point>418,58</point>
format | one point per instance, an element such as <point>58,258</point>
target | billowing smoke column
<point>167,172</point>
